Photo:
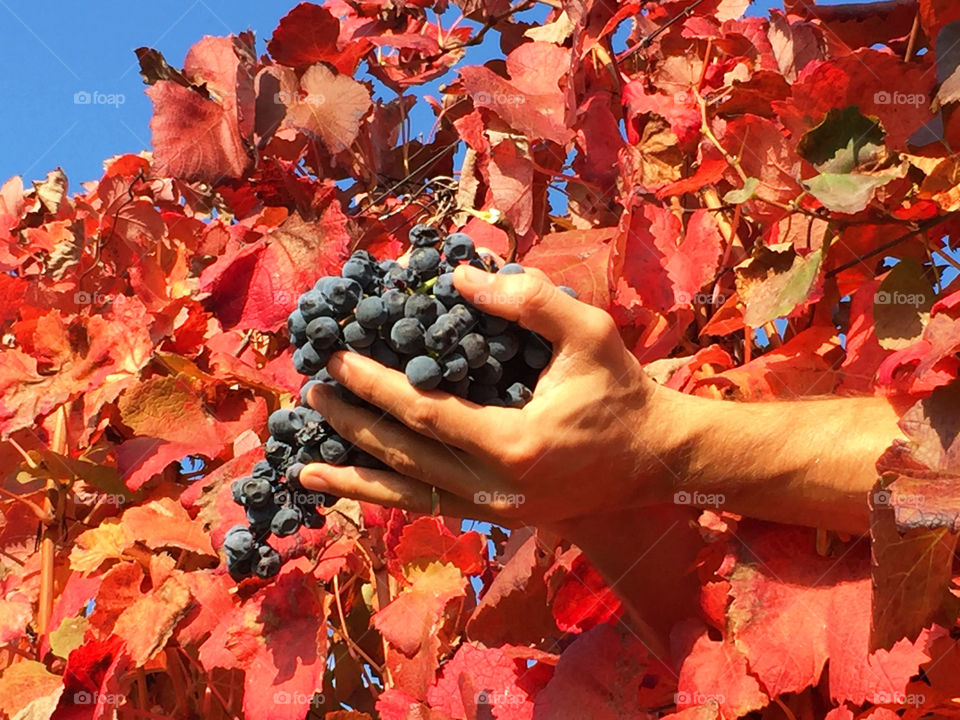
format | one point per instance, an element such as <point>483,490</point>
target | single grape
<point>421,307</point>
<point>308,454</point>
<point>308,415</point>
<point>458,247</point>
<point>286,521</point>
<point>256,492</point>
<point>464,318</point>
<point>283,425</point>
<point>423,236</point>
<point>263,469</point>
<point>260,517</point>
<point>342,294</point>
<point>423,372</point>
<point>297,327</point>
<point>537,352</point>
<point>474,347</point>
<point>387,265</point>
<point>504,347</point>
<point>238,541</point>
<point>323,332</point>
<point>240,569</point>
<point>292,473</point>
<point>312,305</point>
<point>518,395</point>
<point>307,361</point>
<point>511,269</point>
<point>455,367</point>
<point>442,336</point>
<point>371,312</point>
<point>360,271</point>
<point>406,336</point>
<point>334,450</point>
<point>237,489</point>
<point>393,302</point>
<point>445,292</point>
<point>382,353</point>
<point>489,373</point>
<point>277,453</point>
<point>312,433</point>
<point>492,325</point>
<point>312,519</point>
<point>357,336</point>
<point>269,563</point>
<point>425,261</point>
<point>460,388</point>
<point>305,389</point>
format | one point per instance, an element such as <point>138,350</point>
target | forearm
<point>808,462</point>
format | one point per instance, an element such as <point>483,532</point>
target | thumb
<point>526,298</point>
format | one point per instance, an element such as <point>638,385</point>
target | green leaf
<point>846,193</point>
<point>845,140</point>
<point>775,281</point>
<point>69,636</point>
<point>735,197</point>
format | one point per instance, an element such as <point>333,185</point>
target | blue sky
<point>49,55</point>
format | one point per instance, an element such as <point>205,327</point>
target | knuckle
<point>422,415</point>
<point>398,460</point>
<point>519,454</point>
<point>599,326</point>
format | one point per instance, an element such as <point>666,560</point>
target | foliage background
<point>748,198</point>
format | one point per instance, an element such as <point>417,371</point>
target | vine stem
<point>211,688</point>
<point>48,546</point>
<point>356,652</point>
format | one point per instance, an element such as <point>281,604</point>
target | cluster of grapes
<point>406,318</point>
<point>274,499</point>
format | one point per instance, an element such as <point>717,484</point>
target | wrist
<point>670,438</point>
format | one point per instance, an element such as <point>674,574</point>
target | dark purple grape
<point>423,372</point>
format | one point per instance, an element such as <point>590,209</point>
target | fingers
<point>387,488</point>
<point>528,298</point>
<point>449,419</point>
<point>407,452</point>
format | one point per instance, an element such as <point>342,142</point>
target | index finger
<point>448,418</point>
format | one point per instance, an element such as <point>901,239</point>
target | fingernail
<point>472,275</point>
<point>311,478</point>
<point>337,366</point>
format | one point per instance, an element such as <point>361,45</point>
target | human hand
<point>592,437</point>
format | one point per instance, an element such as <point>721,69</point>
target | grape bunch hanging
<point>408,318</point>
